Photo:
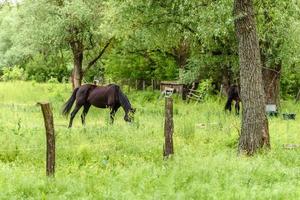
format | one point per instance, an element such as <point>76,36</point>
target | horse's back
<point>103,96</point>
<point>83,92</point>
<point>234,92</point>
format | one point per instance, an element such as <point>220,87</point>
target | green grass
<point>124,161</point>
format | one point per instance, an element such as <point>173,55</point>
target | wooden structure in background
<point>194,95</point>
<point>178,87</point>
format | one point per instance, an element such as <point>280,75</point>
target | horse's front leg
<point>112,116</point>
<point>113,113</point>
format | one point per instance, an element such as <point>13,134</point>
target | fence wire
<point>210,122</point>
<point>235,125</point>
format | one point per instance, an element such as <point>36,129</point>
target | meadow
<point>124,161</point>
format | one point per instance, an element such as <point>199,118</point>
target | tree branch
<point>98,57</point>
<point>143,51</point>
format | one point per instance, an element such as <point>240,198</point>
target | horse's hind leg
<point>86,108</point>
<point>76,109</point>
<point>228,105</point>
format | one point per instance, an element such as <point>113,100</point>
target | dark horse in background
<point>233,95</point>
<point>109,96</point>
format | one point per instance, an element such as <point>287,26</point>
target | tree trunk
<point>77,74</point>
<point>226,80</point>
<point>272,85</point>
<point>254,130</point>
<point>271,76</point>
<point>181,55</point>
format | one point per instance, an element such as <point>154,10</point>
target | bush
<point>53,80</point>
<point>206,88</point>
<point>13,73</point>
<point>45,73</point>
<point>42,70</point>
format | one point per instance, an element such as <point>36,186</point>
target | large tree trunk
<point>271,79</point>
<point>254,131</point>
<point>182,53</point>
<point>77,74</point>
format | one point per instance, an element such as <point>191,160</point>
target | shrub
<point>42,70</point>
<point>13,73</point>
<point>206,88</point>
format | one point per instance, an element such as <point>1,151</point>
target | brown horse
<point>233,95</point>
<point>109,96</point>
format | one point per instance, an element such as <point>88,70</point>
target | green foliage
<point>290,82</point>
<point>13,73</point>
<point>124,63</point>
<point>208,67</point>
<point>206,88</point>
<point>37,31</point>
<point>41,69</point>
<point>10,52</point>
<point>124,161</point>
<point>164,40</point>
<point>275,27</point>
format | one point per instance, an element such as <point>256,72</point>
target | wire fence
<point>207,125</point>
<point>212,120</point>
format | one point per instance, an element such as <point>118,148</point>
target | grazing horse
<point>233,95</point>
<point>109,96</point>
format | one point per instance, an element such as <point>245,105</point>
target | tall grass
<point>124,161</point>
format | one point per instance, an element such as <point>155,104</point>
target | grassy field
<point>124,161</point>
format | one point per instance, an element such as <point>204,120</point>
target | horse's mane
<point>123,99</point>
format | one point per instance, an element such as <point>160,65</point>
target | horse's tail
<point>68,105</point>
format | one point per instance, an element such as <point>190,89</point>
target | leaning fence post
<point>50,138</point>
<point>169,128</point>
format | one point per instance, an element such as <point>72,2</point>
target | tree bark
<point>254,130</point>
<point>50,138</point>
<point>271,76</point>
<point>226,79</point>
<point>77,74</point>
<point>182,53</point>
<point>272,85</point>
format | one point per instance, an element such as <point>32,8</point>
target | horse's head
<point>129,116</point>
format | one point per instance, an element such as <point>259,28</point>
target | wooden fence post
<point>144,85</point>
<point>152,84</point>
<point>169,128</point>
<point>50,138</point>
